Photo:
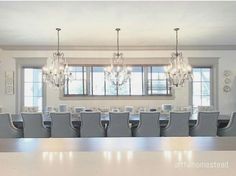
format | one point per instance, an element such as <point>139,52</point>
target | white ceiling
<point>93,23</point>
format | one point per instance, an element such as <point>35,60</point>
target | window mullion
<point>105,89</point>
<point>89,84</point>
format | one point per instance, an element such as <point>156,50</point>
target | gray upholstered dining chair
<point>34,126</point>
<point>230,129</point>
<point>62,126</point>
<point>7,129</point>
<point>91,125</point>
<point>149,125</point>
<point>119,125</point>
<point>206,124</point>
<point>178,125</point>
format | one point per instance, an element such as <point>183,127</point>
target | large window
<point>33,87</point>
<point>136,81</point>
<point>91,81</point>
<point>77,85</point>
<point>98,81</point>
<point>101,86</point>
<point>157,81</point>
<point>201,87</point>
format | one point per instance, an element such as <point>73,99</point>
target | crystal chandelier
<point>117,72</point>
<point>56,72</point>
<point>178,70</point>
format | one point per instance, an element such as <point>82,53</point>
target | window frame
<point>211,84</point>
<point>212,62</point>
<point>89,86</point>
<point>169,89</point>
<point>83,80</point>
<point>29,62</point>
<point>23,87</point>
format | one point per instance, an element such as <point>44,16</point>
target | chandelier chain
<point>58,39</point>
<point>177,40</point>
<point>118,40</point>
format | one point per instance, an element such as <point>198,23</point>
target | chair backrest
<point>5,120</point>
<point>91,125</point>
<point>230,130</point>
<point>61,125</point>
<point>33,124</point>
<point>63,108</point>
<point>205,108</point>
<point>232,122</point>
<point>142,109</point>
<point>5,125</point>
<point>129,109</point>
<point>178,124</point>
<point>115,110</point>
<point>119,125</point>
<point>79,109</point>
<point>30,109</point>
<point>166,107</point>
<point>149,125</point>
<point>207,124</point>
<point>49,109</point>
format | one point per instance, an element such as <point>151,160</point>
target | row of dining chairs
<point>149,125</point>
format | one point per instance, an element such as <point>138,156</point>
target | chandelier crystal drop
<point>178,71</point>
<point>56,72</point>
<point>118,73</point>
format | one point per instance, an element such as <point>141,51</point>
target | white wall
<point>227,61</point>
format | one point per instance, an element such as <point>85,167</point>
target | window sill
<point>120,97</point>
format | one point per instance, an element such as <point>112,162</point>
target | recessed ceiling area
<point>141,23</point>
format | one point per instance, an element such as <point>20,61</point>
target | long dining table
<point>122,156</point>
<point>134,119</point>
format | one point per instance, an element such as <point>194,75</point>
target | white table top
<point>118,157</point>
<point>118,163</point>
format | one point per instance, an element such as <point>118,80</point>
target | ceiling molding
<point>112,48</point>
